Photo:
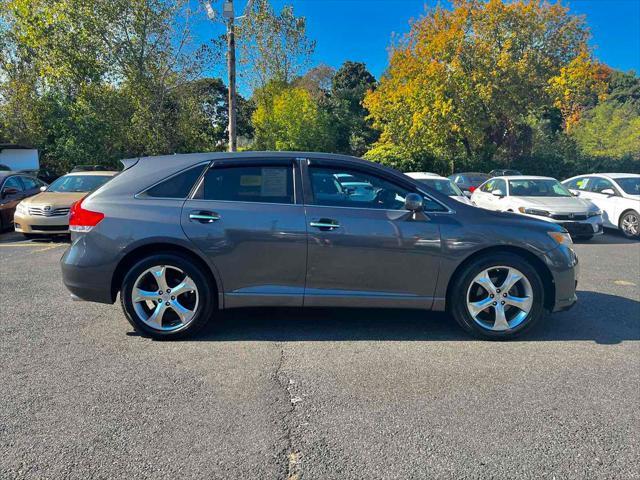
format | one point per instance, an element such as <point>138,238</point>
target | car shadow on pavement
<point>601,318</point>
<point>610,237</point>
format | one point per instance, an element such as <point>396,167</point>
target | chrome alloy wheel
<point>165,298</point>
<point>631,224</point>
<point>499,298</point>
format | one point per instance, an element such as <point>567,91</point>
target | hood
<point>54,199</point>
<point>556,204</point>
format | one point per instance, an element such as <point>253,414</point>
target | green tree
<point>610,130</point>
<point>350,84</point>
<point>287,118</point>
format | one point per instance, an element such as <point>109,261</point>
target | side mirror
<point>608,191</point>
<point>575,193</point>
<point>43,188</point>
<point>413,202</point>
<point>497,193</point>
<point>467,193</point>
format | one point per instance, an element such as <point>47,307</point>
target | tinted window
<point>598,184</point>
<point>178,186</point>
<point>30,183</point>
<point>12,182</point>
<point>376,192</point>
<point>270,184</point>
<point>630,185</point>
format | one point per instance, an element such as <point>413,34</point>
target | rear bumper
<point>85,274</point>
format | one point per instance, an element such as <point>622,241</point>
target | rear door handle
<point>204,216</point>
<point>325,224</point>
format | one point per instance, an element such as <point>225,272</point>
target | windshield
<point>631,185</point>
<point>444,186</point>
<point>537,188</point>
<point>78,183</point>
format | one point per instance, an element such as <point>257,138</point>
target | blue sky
<point>361,30</point>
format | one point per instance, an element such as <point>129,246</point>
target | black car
<point>504,172</point>
<point>469,181</point>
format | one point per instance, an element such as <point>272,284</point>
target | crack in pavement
<point>291,468</point>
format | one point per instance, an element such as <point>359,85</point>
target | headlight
<point>22,209</point>
<point>561,238</point>
<point>534,211</point>
<point>594,213</point>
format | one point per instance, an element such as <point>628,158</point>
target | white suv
<point>616,194</point>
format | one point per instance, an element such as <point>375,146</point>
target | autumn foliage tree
<point>463,83</point>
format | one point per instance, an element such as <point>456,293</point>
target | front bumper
<point>42,225</point>
<point>580,228</point>
<point>565,269</point>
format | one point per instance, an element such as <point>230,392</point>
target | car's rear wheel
<point>167,296</point>
<point>497,296</point>
<point>630,224</point>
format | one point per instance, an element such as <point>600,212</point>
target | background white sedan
<point>616,194</point>
<point>443,185</point>
<point>541,197</point>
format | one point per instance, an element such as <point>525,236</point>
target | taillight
<point>81,219</point>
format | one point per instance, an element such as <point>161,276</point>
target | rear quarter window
<point>177,186</point>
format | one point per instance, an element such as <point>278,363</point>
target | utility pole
<point>228,14</point>
<point>231,68</point>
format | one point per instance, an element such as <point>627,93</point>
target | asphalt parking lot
<point>327,394</point>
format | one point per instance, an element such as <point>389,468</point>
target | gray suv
<point>182,236</point>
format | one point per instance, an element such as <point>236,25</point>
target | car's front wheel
<point>630,224</point>
<point>497,296</point>
<point>167,296</point>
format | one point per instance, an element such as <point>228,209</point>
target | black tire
<point>206,294</point>
<point>457,300</point>
<point>625,215</point>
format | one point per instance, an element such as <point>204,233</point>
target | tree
<point>578,87</point>
<point>287,118</point>
<point>463,81</point>
<point>96,81</point>
<point>274,47</point>
<point>610,130</point>
<point>350,84</point>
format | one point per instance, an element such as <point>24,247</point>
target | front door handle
<point>325,224</point>
<point>204,216</point>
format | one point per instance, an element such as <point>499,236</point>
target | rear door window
<point>259,183</point>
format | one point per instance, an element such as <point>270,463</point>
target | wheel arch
<point>539,265</point>
<point>145,250</point>
<point>623,213</point>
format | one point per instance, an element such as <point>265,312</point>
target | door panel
<point>374,258</point>
<point>258,248</point>
<point>366,250</point>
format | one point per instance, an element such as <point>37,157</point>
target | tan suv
<point>48,212</point>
